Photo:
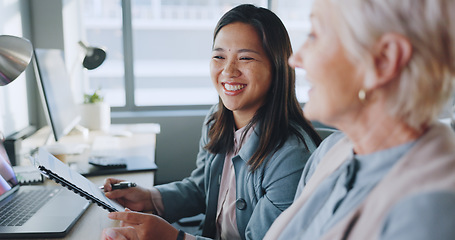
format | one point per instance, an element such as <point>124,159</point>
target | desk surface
<point>142,141</point>
<point>95,219</point>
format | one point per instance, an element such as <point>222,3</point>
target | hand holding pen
<point>121,185</point>
<point>132,196</point>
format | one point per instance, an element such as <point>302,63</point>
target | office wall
<point>46,31</point>
<point>56,24</point>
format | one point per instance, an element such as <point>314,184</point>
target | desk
<point>77,146</point>
<point>95,219</point>
<point>142,141</point>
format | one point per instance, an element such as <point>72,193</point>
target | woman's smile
<point>232,88</point>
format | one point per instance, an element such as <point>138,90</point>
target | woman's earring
<point>362,95</point>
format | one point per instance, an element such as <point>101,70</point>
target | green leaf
<point>93,98</point>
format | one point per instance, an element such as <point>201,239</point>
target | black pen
<point>121,185</point>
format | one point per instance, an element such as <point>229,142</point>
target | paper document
<point>56,170</point>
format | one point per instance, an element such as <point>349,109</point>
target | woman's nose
<point>296,59</point>
<point>230,69</point>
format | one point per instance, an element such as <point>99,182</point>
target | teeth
<point>230,87</point>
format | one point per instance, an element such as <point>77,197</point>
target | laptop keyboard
<point>22,207</point>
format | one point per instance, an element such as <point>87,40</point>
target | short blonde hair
<point>426,83</point>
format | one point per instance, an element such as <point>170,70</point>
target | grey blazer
<point>261,195</point>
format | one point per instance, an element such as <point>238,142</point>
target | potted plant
<point>95,113</point>
<point>93,98</point>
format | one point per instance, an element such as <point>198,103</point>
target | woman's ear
<point>391,53</point>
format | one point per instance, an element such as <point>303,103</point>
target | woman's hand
<point>134,226</point>
<point>134,198</point>
<point>119,233</point>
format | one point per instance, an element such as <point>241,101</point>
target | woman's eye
<point>246,58</point>
<point>311,36</point>
<point>218,57</point>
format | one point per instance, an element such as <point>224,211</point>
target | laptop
<point>52,212</point>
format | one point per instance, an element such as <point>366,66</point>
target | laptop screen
<point>7,177</point>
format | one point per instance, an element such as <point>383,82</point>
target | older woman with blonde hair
<point>381,71</point>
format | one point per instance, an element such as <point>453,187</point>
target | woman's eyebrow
<point>243,50</point>
<point>248,50</point>
<point>315,21</point>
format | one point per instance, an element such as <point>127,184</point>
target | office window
<point>159,50</point>
<point>295,16</point>
<point>103,25</point>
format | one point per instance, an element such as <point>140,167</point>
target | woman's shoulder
<point>327,142</point>
<point>294,151</point>
<point>294,143</point>
<point>322,150</point>
<point>330,140</point>
<point>434,217</point>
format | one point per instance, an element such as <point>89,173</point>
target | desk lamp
<point>15,55</point>
<point>94,56</point>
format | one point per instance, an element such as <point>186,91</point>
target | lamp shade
<point>15,55</point>
<point>94,56</point>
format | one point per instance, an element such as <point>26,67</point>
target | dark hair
<point>281,108</point>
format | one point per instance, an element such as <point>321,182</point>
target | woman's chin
<point>310,117</point>
<point>309,112</point>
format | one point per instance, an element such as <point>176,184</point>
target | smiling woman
<point>240,71</point>
<point>254,144</point>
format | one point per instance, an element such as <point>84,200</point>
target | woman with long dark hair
<point>254,144</point>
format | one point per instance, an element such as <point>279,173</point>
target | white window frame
<point>129,82</point>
